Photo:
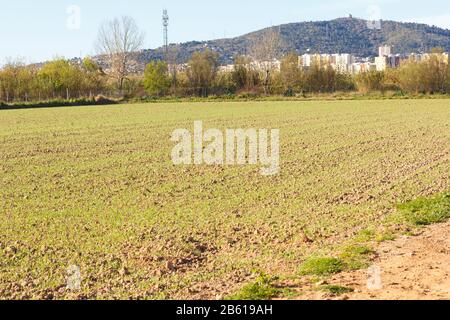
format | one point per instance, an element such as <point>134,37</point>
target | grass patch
<point>356,257</point>
<point>337,289</point>
<point>426,211</point>
<point>321,266</point>
<point>261,289</point>
<point>356,250</point>
<point>387,236</point>
<point>368,235</point>
<point>365,235</point>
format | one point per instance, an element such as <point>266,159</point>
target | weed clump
<point>426,211</point>
<point>356,257</point>
<point>337,289</point>
<point>321,266</point>
<point>261,289</point>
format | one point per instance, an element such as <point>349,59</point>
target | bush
<point>429,76</point>
<point>370,81</point>
<point>98,100</point>
<point>289,92</point>
<point>156,78</point>
<point>248,95</point>
<point>102,100</point>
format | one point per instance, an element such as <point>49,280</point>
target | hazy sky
<point>40,30</point>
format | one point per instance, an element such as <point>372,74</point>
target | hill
<point>343,35</point>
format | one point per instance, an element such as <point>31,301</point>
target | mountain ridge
<point>341,35</point>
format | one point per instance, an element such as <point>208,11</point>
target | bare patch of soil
<point>411,268</point>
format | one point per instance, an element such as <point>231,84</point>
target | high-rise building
<point>344,62</point>
<point>381,63</point>
<point>386,58</point>
<point>385,51</point>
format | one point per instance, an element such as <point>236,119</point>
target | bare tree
<point>118,39</point>
<point>265,50</point>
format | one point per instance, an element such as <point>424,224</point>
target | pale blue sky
<point>36,30</point>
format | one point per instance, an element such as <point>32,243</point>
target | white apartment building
<point>385,51</point>
<point>343,62</point>
<point>392,61</point>
<point>305,60</point>
<point>381,63</point>
<point>340,62</point>
<point>386,58</point>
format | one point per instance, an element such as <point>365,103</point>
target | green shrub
<point>261,289</point>
<point>426,211</point>
<point>98,100</point>
<point>102,100</point>
<point>321,266</point>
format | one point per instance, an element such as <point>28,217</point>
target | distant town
<point>348,63</point>
<point>340,62</point>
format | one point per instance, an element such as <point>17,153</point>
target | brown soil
<point>411,268</point>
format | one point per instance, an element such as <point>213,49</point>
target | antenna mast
<point>165,19</point>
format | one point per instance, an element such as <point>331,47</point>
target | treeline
<point>202,78</point>
<point>63,79</point>
<point>430,76</point>
<point>58,79</point>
